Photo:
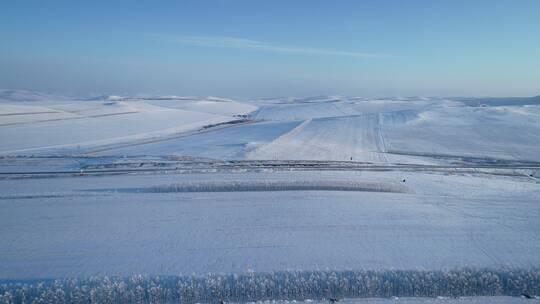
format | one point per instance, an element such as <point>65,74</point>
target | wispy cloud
<point>240,43</point>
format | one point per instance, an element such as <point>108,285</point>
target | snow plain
<point>184,186</point>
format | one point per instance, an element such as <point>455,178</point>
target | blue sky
<point>249,48</point>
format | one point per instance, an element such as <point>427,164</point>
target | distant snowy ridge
<point>500,101</point>
<point>22,95</point>
<point>10,95</point>
<point>156,97</point>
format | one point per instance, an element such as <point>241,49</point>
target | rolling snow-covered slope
<point>378,131</point>
<point>356,138</point>
<point>398,131</point>
<point>336,138</point>
<point>76,126</point>
<point>208,105</point>
<point>153,224</point>
<point>230,143</point>
<point>507,133</point>
<point>209,199</point>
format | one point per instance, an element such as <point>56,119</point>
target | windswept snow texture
<point>78,127</point>
<point>336,138</point>
<point>124,224</point>
<point>275,199</point>
<point>226,143</point>
<point>379,131</point>
<point>423,131</point>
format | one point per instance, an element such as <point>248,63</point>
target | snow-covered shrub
<point>286,285</point>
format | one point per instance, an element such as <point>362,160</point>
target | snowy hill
<point>201,199</point>
<point>22,95</point>
<point>412,130</point>
<point>47,124</point>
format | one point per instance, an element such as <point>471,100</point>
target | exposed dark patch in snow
<point>258,185</point>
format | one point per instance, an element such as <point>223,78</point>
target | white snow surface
<point>175,186</point>
<point>123,225</point>
<point>379,131</point>
<point>69,126</point>
<point>403,131</point>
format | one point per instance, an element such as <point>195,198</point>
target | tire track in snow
<point>381,144</point>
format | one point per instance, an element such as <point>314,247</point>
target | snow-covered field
<point>299,199</point>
